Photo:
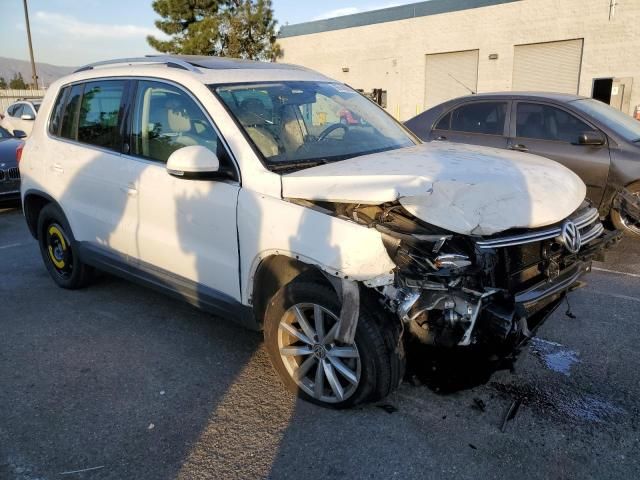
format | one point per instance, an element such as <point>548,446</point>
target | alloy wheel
<point>325,369</point>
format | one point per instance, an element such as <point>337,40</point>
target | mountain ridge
<point>47,73</point>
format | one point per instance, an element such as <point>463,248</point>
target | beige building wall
<point>392,55</point>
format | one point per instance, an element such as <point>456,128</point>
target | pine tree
<point>227,28</point>
<point>17,82</point>
<point>3,84</point>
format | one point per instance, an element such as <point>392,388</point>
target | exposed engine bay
<point>457,290</point>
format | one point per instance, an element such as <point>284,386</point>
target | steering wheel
<point>325,133</point>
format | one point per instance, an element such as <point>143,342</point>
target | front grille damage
<point>456,290</point>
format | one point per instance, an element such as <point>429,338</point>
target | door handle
<point>56,167</point>
<point>518,147</point>
<point>441,138</point>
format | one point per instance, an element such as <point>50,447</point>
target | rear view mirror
<point>591,138</point>
<point>193,162</point>
<point>27,116</point>
<point>19,134</point>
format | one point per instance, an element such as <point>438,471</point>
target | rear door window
<point>100,109</point>
<point>544,122</point>
<point>486,118</point>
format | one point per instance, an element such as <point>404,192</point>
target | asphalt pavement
<point>119,382</point>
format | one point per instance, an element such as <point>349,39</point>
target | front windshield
<point>301,124</point>
<point>621,123</point>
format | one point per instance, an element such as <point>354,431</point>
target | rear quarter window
<point>56,112</point>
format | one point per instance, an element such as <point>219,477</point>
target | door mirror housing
<point>19,134</point>
<point>591,138</point>
<point>27,116</point>
<point>193,162</point>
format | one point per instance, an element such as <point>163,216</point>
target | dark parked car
<point>10,149</point>
<point>598,142</point>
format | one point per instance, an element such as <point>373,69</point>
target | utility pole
<point>34,76</point>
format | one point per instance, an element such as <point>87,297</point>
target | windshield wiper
<point>297,165</point>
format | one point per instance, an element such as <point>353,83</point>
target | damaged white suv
<point>236,186</point>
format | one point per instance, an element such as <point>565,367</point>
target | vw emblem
<point>571,236</point>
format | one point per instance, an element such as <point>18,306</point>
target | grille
<point>532,256</point>
<point>586,221</point>
<point>13,173</point>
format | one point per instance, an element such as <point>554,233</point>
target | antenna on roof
<point>472,92</point>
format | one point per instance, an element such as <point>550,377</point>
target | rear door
<point>477,123</point>
<point>552,131</point>
<point>95,184</point>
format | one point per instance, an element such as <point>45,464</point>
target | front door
<point>553,132</point>
<point>187,228</point>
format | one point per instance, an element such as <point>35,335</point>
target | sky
<point>75,32</point>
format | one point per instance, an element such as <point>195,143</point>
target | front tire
<point>59,250</point>
<point>300,325</point>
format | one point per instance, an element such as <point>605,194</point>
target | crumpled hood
<point>462,188</point>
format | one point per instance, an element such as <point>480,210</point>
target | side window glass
<point>11,109</point>
<point>544,122</point>
<point>166,119</point>
<point>443,124</point>
<point>27,110</point>
<point>17,111</point>
<point>99,113</point>
<point>481,117</point>
<point>70,116</point>
<point>56,115</point>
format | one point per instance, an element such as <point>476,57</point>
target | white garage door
<point>548,67</point>
<point>450,75</point>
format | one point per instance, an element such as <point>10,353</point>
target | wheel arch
<point>274,272</point>
<point>33,203</point>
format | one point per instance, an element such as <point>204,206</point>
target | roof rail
<point>167,60</point>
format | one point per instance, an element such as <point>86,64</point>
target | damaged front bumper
<point>451,314</point>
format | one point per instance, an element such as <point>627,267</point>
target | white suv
<point>19,117</point>
<point>235,186</point>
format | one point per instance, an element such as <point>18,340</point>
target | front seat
<point>253,116</point>
<point>179,122</point>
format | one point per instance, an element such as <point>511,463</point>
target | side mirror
<point>27,116</point>
<point>194,162</point>
<point>19,134</point>
<point>591,138</point>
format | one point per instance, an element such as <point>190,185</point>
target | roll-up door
<point>548,67</point>
<point>450,75</point>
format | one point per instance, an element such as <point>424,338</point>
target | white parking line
<point>12,245</point>
<point>614,295</point>
<point>627,274</point>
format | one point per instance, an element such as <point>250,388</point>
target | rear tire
<point>59,250</point>
<point>366,371</point>
<point>624,224</point>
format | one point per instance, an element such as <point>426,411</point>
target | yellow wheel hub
<point>57,256</point>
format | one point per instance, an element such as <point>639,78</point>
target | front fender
<point>271,226</point>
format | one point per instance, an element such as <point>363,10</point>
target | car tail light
<point>1,116</point>
<point>19,153</point>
